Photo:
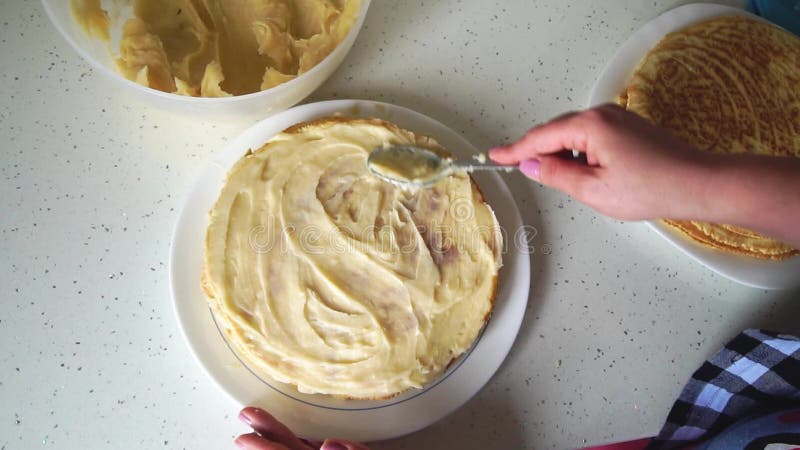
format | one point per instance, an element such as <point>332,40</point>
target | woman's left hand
<point>269,434</point>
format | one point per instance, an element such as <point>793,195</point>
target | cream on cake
<point>325,277</point>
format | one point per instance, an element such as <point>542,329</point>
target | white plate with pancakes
<point>319,416</point>
<point>754,272</point>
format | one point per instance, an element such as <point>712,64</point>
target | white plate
<point>318,416</point>
<point>745,270</point>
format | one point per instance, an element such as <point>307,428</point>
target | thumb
<point>554,171</point>
<point>336,444</point>
<point>567,131</point>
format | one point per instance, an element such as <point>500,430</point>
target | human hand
<point>270,434</point>
<point>635,171</point>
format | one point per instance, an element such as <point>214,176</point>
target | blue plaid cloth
<point>756,373</point>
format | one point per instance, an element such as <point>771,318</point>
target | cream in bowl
<point>188,62</point>
<point>219,48</point>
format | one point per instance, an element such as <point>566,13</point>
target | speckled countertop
<point>91,181</point>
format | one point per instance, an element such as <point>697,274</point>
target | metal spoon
<point>409,166</point>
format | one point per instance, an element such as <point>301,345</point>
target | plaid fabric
<point>757,372</point>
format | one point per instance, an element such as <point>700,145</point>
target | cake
<point>327,278</point>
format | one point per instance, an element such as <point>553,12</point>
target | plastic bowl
<point>251,106</point>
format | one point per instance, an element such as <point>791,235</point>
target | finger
<point>252,441</point>
<point>569,176</point>
<point>335,444</point>
<point>268,426</point>
<point>565,115</point>
<point>565,132</point>
<point>314,444</point>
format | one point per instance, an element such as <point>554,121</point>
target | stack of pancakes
<point>328,278</point>
<point>726,85</point>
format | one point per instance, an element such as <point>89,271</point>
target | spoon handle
<point>471,166</point>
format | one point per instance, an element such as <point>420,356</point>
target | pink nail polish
<point>245,419</point>
<point>333,446</point>
<point>531,168</point>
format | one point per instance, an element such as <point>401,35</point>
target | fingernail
<point>531,168</point>
<point>333,445</point>
<point>245,418</point>
<point>239,443</point>
<point>495,150</point>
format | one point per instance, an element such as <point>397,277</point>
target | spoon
<point>409,166</point>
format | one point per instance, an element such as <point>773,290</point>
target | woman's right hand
<point>639,171</point>
<point>635,170</point>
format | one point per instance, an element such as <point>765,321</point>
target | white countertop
<point>91,181</point>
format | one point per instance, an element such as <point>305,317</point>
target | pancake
<point>726,85</point>
<point>327,278</point>
<point>733,239</point>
